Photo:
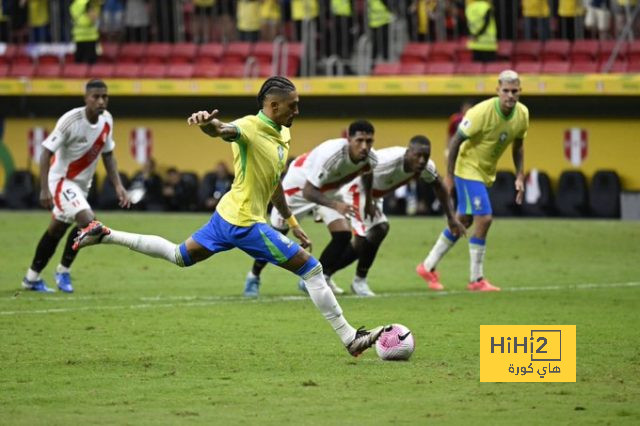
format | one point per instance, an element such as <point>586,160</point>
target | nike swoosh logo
<point>404,336</point>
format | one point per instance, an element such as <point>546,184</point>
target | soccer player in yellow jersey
<point>260,144</point>
<point>485,132</point>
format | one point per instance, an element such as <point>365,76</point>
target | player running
<point>260,144</point>
<point>396,167</point>
<point>484,134</point>
<point>67,164</point>
<point>312,182</point>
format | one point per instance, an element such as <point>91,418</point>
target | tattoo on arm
<point>454,147</point>
<point>518,156</point>
<point>280,202</point>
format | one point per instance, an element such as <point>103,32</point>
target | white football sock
<point>326,302</point>
<point>32,275</point>
<point>440,248</point>
<point>476,257</point>
<point>151,245</point>
<point>62,269</point>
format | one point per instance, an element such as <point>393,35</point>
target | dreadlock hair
<point>95,84</point>
<point>360,126</point>
<point>420,140</point>
<point>275,85</point>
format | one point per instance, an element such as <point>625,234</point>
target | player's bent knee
<point>183,258</point>
<point>311,267</point>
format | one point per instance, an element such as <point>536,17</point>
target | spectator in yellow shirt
<point>568,11</point>
<point>536,19</point>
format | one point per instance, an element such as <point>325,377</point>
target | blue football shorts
<point>473,197</point>
<point>259,240</point>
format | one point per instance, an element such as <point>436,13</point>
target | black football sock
<point>46,247</point>
<point>330,257</point>
<point>69,254</point>
<point>348,256</point>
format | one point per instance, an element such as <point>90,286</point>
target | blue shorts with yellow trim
<point>473,197</point>
<point>259,240</point>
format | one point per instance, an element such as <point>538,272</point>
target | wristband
<point>292,222</point>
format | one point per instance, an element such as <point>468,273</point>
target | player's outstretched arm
<point>46,200</point>
<point>313,194</point>
<point>213,127</point>
<point>455,226</point>
<point>111,165</point>
<point>280,202</point>
<point>518,161</point>
<point>454,148</point>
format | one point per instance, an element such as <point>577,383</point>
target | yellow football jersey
<point>259,156</point>
<point>489,132</point>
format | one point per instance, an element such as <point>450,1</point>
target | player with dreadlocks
<point>260,144</point>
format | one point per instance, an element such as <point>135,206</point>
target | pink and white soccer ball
<point>395,343</point>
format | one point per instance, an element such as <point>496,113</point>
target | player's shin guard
<point>477,249</point>
<point>446,240</point>
<point>151,245</point>
<point>325,301</point>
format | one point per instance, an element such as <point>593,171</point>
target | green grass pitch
<point>144,342</point>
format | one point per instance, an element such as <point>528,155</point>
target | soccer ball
<point>395,343</point>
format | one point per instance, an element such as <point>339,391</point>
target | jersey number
<point>69,194</point>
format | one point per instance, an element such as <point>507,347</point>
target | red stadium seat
<point>101,71</point>
<point>127,70</point>
<point>237,52</point>
<point>606,49</point>
<point>528,67</point>
<point>48,59</point>
<point>16,54</point>
<point>157,53</point>
<point>233,70</point>
<point>633,67</point>
<point>440,68</point>
<point>618,67</point>
<point>463,54</point>
<point>584,67</point>
<point>497,67</point>
<point>4,70</point>
<point>443,51</point>
<point>527,51</point>
<point>292,54</point>
<point>180,71</point>
<point>207,70</point>
<point>110,53</point>
<point>153,71</point>
<point>49,70</point>
<point>263,52</point>
<point>412,69</point>
<point>265,70</point>
<point>75,71</point>
<point>415,52</point>
<point>385,68</point>
<point>183,53</point>
<point>470,68</point>
<point>505,50</point>
<point>22,70</point>
<point>210,53</point>
<point>584,50</point>
<point>633,52</point>
<point>132,52</point>
<point>556,67</point>
<point>556,50</point>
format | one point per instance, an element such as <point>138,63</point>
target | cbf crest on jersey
<point>280,153</point>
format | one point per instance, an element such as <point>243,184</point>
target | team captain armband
<point>292,222</point>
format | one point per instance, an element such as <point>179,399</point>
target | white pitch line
<point>199,301</point>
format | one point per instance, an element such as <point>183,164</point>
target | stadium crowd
<point>337,36</point>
